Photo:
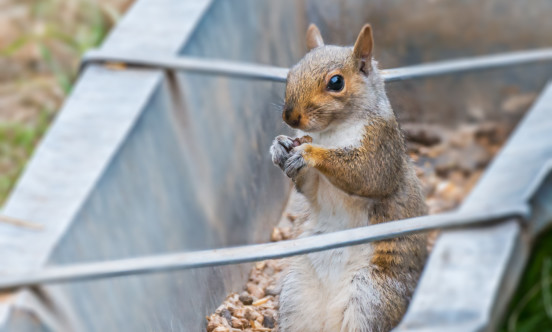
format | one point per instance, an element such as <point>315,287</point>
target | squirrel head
<point>333,84</point>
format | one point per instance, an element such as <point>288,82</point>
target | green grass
<point>63,38</point>
<point>531,306</point>
<point>17,142</point>
<point>61,31</point>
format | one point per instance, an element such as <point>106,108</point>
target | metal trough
<point>145,161</point>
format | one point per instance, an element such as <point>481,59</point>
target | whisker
<point>277,106</point>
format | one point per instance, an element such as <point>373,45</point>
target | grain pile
<point>448,162</point>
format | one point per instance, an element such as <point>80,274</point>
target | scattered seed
<point>245,298</point>
<point>445,184</point>
<point>268,321</point>
<point>261,301</point>
<point>225,313</point>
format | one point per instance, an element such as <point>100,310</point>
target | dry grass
<point>41,43</point>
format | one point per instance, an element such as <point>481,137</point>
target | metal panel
<point>193,191</point>
<point>257,252</point>
<point>413,32</point>
<point>471,274</point>
<point>85,136</point>
<point>164,183</point>
<point>94,158</point>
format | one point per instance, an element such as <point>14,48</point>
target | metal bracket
<point>258,252</point>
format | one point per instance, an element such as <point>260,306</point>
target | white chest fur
<point>346,134</point>
<point>335,209</point>
<point>318,287</point>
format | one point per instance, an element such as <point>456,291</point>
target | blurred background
<point>41,43</point>
<point>452,139</point>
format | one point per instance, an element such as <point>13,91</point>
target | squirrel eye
<point>336,83</point>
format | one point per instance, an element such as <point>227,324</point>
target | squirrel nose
<point>287,113</point>
<point>292,120</point>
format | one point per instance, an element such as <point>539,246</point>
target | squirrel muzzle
<point>292,117</point>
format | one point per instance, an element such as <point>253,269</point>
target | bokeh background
<point>41,43</point>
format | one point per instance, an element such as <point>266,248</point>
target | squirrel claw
<point>287,142</point>
<point>280,150</point>
<point>294,164</point>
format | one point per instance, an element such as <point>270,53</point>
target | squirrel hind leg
<point>375,303</point>
<point>296,315</point>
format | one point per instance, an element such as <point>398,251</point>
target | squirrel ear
<point>314,38</point>
<point>363,48</point>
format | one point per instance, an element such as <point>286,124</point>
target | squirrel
<point>354,173</point>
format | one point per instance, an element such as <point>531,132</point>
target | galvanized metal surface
<point>458,66</point>
<point>75,155</point>
<point>258,252</point>
<point>194,65</point>
<point>411,32</point>
<point>116,124</point>
<point>471,274</point>
<point>158,163</point>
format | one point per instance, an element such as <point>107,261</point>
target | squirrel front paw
<point>295,163</point>
<point>281,150</point>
